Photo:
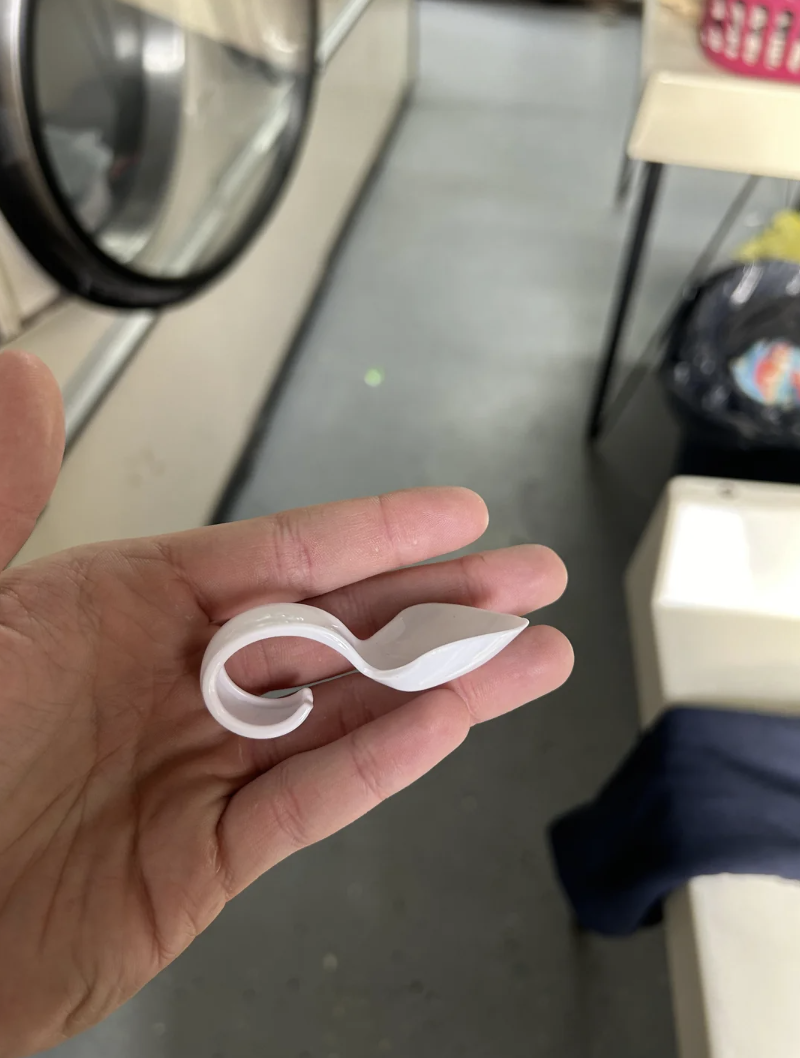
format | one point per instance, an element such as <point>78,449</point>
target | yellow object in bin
<point>780,241</point>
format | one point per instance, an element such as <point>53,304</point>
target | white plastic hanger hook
<point>423,647</point>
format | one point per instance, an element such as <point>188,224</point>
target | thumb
<point>31,446</point>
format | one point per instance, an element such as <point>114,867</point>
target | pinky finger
<point>308,797</point>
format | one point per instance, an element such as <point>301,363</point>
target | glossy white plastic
<point>423,647</point>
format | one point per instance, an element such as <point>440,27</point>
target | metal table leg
<point>627,165</point>
<point>624,180</point>
<point>647,360</point>
<point>625,291</point>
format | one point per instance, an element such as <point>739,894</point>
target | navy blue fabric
<point>704,792</point>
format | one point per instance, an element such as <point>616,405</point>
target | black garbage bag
<point>732,366</point>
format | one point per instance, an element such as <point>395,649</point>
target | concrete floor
<point>476,283</point>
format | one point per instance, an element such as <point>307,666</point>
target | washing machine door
<point>143,144</point>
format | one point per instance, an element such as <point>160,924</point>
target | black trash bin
<point>732,373</point>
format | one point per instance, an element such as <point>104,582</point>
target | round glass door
<point>147,142</point>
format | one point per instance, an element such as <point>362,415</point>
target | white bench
<point>714,606</point>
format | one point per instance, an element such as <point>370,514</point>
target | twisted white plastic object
<point>423,647</point>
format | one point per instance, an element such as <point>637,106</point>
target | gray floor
<point>476,283</point>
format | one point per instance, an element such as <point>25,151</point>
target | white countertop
<point>714,621</point>
<point>734,949</point>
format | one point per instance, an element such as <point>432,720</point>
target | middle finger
<point>517,580</point>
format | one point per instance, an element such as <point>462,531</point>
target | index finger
<point>304,553</point>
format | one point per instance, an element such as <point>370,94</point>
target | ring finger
<point>535,664</point>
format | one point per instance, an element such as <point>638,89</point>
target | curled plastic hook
<point>423,647</point>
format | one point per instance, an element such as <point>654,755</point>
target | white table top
<point>695,113</point>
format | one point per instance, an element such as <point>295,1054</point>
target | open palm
<point>128,817</point>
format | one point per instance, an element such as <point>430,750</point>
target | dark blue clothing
<point>705,791</point>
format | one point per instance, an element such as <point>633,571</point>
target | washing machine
<point>146,142</point>
<point>174,177</point>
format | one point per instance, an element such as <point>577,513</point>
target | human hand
<point>128,817</point>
